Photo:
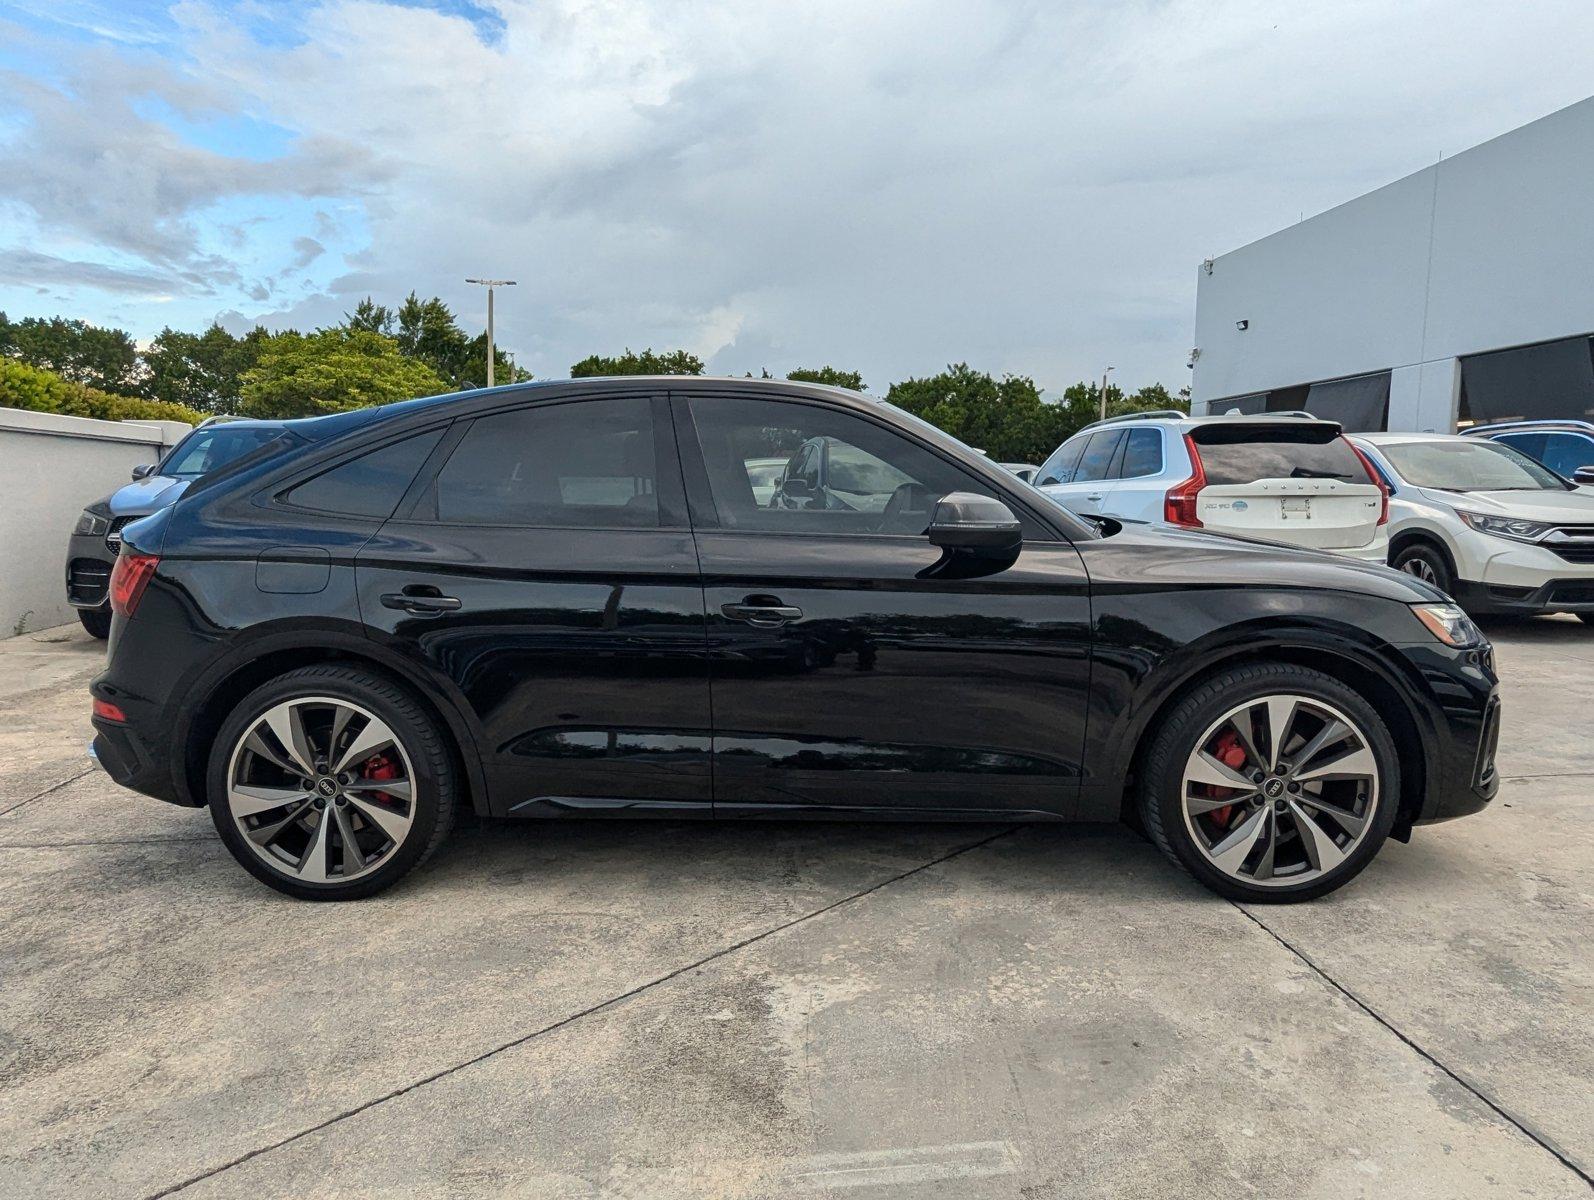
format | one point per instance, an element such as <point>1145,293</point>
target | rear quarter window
<point>1231,454</point>
<point>370,485</point>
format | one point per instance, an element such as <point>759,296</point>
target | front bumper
<point>88,571</point>
<point>1464,721</point>
<point>1497,575</point>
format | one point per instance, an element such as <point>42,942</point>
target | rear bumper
<point>131,761</point>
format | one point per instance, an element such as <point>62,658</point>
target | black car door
<point>543,569</point>
<point>850,670</point>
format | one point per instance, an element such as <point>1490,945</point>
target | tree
<point>34,388</point>
<point>428,331</point>
<point>331,370</point>
<point>669,362</point>
<point>830,375</point>
<point>1007,419</point>
<point>201,370</point>
<point>104,359</point>
<point>371,317</point>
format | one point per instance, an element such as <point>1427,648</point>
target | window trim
<point>667,484</point>
<point>700,494</point>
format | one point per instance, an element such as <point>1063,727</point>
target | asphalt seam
<point>54,787</point>
<point>601,1006</point>
<point>150,841</point>
<point>1543,1141</point>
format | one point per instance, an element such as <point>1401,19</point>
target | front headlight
<point>1449,624</point>
<point>91,523</point>
<point>1506,527</point>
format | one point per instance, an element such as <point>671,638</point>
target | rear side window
<point>1235,454</point>
<point>371,485</point>
<point>584,465</point>
<point>1142,454</point>
<point>1098,455</point>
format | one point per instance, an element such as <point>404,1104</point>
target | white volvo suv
<point>1281,477</point>
<point>1486,523</point>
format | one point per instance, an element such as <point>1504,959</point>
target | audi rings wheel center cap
<point>1273,788</point>
<point>327,786</point>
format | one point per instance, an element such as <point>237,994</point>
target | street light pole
<point>1104,375</point>
<point>490,284</point>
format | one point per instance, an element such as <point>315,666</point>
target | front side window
<point>1469,466</point>
<point>1059,468</point>
<point>207,450</point>
<point>584,465</point>
<point>1564,453</point>
<point>1096,460</point>
<point>845,474</point>
<point>368,486</point>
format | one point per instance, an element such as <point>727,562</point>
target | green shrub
<point>38,390</point>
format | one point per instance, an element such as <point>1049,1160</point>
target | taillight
<point>129,577</point>
<point>1179,507</point>
<point>107,711</point>
<point>1376,478</point>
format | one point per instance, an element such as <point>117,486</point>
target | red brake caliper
<point>379,767</point>
<point>1230,751</point>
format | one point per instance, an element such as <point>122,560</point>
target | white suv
<point>1282,477</point>
<point>1486,523</point>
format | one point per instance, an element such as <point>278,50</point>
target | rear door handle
<point>765,611</point>
<point>427,603</point>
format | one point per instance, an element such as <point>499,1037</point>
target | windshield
<point>1467,466</point>
<point>205,450</point>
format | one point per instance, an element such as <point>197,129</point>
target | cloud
<point>886,186</point>
<point>31,269</point>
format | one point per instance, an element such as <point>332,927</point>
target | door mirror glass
<point>142,470</point>
<point>965,521</point>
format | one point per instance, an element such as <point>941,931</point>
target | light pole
<point>1104,374</point>
<point>490,284</point>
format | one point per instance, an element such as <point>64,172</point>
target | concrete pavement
<point>604,1009</point>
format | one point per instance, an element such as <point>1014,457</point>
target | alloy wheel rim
<point>1280,790</point>
<point>321,789</point>
<point>1421,568</point>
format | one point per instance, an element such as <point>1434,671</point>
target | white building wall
<point>1490,249</point>
<point>53,466</point>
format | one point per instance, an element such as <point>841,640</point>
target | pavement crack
<point>149,841</point>
<point>54,787</point>
<point>591,1010</point>
<point>1542,1140</point>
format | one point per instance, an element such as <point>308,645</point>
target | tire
<point>1428,563</point>
<point>97,621</point>
<point>351,837</point>
<point>1287,862</point>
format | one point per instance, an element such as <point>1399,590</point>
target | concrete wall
<point>51,467</point>
<point>1490,249</point>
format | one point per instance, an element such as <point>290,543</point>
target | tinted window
<point>1231,454</point>
<point>371,485</point>
<point>207,450</point>
<point>586,465</point>
<point>1142,453</point>
<point>1531,444</point>
<point>1566,452</point>
<point>1469,466</point>
<point>1098,454</point>
<point>855,476</point>
<point>1059,468</point>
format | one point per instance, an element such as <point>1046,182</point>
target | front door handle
<point>1095,496</point>
<point>764,611</point>
<point>420,601</point>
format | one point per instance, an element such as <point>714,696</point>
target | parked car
<point>1486,524</point>
<point>1566,447</point>
<point>1284,477</point>
<point>1025,471</point>
<point>391,613</point>
<point>97,536</point>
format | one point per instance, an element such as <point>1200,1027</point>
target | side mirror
<point>1584,476</point>
<point>965,521</point>
<point>796,488</point>
<point>140,471</point>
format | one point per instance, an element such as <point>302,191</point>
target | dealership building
<point>1459,295</point>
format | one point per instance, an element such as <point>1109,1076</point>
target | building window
<point>1553,380</point>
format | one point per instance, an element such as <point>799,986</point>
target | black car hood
<point>1185,557</point>
<point>144,496</point>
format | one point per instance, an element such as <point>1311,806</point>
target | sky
<point>884,186</point>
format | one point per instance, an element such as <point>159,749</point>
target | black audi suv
<point>584,599</point>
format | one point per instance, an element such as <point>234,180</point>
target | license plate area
<point>1295,507</point>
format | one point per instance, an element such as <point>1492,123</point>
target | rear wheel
<point>330,783</point>
<point>1271,783</point>
<point>1427,563</point>
<point>97,621</point>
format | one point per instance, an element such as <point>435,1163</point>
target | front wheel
<point>1426,563</point>
<point>97,621</point>
<point>330,783</point>
<point>1271,783</point>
